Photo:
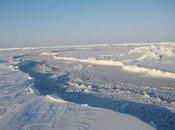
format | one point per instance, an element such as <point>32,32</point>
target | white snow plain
<point>89,87</point>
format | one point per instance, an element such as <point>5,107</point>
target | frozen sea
<point>88,87</point>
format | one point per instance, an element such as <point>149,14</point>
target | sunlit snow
<point>88,87</point>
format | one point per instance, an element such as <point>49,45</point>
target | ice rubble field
<point>88,87</point>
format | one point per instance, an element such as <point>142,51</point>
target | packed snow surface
<point>88,87</point>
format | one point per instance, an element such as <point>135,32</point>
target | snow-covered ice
<point>88,87</point>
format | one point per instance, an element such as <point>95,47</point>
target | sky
<point>25,23</point>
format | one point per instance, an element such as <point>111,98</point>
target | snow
<point>154,52</point>
<point>50,98</point>
<point>30,78</point>
<point>29,90</point>
<point>136,69</point>
<point>46,112</point>
<point>94,87</point>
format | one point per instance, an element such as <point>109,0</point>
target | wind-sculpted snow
<point>58,86</point>
<point>136,69</point>
<point>88,87</point>
<point>20,110</point>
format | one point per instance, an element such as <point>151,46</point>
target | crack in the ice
<point>163,118</point>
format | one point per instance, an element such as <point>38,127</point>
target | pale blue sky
<point>58,22</point>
